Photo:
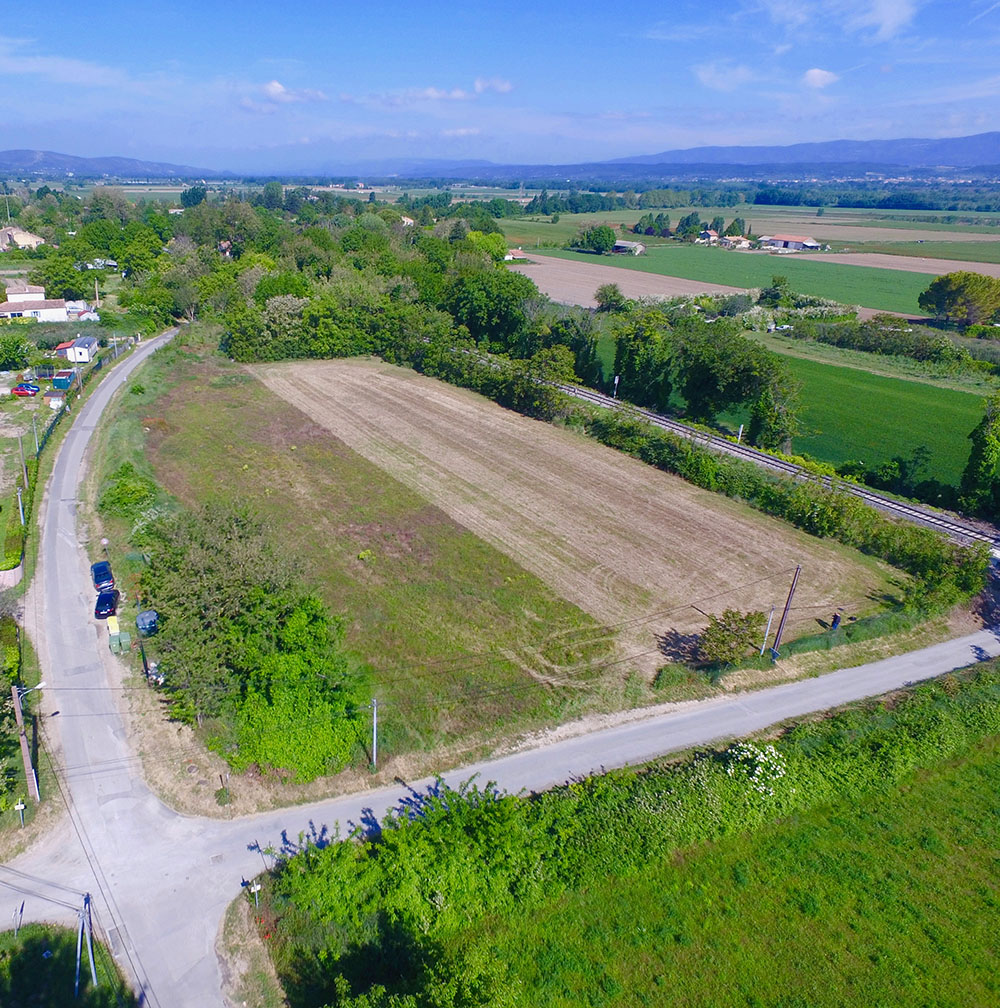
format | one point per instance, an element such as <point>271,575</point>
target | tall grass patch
<point>460,639</point>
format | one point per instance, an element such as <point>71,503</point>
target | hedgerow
<point>362,922</point>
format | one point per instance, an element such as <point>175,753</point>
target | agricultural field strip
<point>910,264</point>
<point>565,281</point>
<point>959,531</point>
<point>606,532</point>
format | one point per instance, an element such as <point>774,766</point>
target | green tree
<point>14,348</point>
<point>599,239</point>
<point>731,636</point>
<point>193,196</point>
<point>491,304</point>
<point>979,488</point>
<point>273,195</point>
<point>609,298</point>
<point>688,227</point>
<point>963,297</point>
<point>737,228</point>
<point>60,278</point>
<point>718,225</point>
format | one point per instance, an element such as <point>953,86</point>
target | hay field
<point>635,548</point>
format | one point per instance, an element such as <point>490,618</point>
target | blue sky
<point>299,86</point>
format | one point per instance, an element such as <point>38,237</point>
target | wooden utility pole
<point>29,770</point>
<point>784,615</point>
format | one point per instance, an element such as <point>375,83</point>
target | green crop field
<point>850,414</point>
<point>886,290</point>
<point>890,902</point>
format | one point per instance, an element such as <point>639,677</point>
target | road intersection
<point>161,881</point>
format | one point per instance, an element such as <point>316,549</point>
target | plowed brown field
<point>632,546</point>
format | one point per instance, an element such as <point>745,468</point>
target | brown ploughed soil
<point>630,545</point>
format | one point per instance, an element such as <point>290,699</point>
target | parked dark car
<point>100,574</point>
<point>107,604</point>
<point>24,389</point>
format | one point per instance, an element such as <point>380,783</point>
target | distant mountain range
<point>950,152</point>
<point>35,162</point>
<point>886,156</point>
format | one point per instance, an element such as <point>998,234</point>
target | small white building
<point>628,247</point>
<point>83,350</point>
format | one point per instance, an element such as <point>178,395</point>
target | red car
<point>25,389</point>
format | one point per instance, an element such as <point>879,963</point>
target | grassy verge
<point>38,967</point>
<point>888,901</point>
<point>248,978</point>
<point>886,290</point>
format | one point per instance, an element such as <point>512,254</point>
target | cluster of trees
<point>689,226</point>
<point>247,655</point>
<point>396,917</point>
<point>963,298</point>
<point>711,366</point>
<point>599,239</point>
<point>981,197</point>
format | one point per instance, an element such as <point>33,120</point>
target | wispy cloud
<point>720,75</point>
<point>817,78</point>
<point>423,95</point>
<point>887,17</point>
<point>461,131</point>
<point>497,84</point>
<point>989,10</point>
<point>21,56</point>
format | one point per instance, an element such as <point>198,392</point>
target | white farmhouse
<point>29,301</point>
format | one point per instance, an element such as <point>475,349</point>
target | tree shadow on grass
<point>37,970</point>
<point>677,646</point>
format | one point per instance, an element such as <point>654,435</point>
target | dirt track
<point>608,533</point>
<point>909,264</point>
<point>571,282</point>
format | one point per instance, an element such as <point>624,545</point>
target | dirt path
<point>626,543</point>
<point>908,264</point>
<point>571,282</point>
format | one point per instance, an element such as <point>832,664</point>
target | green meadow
<point>888,901</point>
<point>848,414</point>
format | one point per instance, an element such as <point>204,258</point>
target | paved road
<point>161,881</point>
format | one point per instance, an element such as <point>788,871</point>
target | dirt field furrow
<point>608,533</point>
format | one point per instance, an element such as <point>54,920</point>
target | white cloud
<point>277,92</point>
<point>497,84</point>
<point>57,69</point>
<point>816,78</point>
<point>461,131</point>
<point>722,76</point>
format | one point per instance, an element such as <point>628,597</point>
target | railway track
<point>962,532</point>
